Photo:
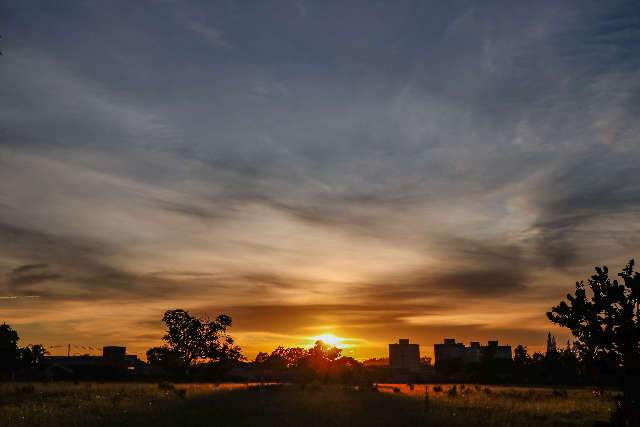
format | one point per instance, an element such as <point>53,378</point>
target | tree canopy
<point>604,317</point>
<point>194,339</point>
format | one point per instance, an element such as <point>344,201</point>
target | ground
<point>90,404</point>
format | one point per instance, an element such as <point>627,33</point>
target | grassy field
<point>87,404</point>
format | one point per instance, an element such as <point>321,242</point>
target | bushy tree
<point>162,357</point>
<point>604,317</point>
<point>32,355</point>
<point>320,362</point>
<point>195,339</point>
<point>521,356</point>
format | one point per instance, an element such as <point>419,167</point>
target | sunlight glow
<point>328,339</point>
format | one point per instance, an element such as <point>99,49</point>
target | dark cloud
<point>79,272</point>
<point>27,268</point>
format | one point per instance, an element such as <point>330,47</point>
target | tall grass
<point>151,405</point>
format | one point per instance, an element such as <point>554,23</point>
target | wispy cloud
<point>383,170</point>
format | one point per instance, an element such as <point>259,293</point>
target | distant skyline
<point>365,170</point>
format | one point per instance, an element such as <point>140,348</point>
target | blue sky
<point>370,169</point>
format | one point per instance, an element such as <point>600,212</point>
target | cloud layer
<point>374,170</point>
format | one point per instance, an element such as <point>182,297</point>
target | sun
<point>328,339</point>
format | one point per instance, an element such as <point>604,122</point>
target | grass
<point>93,405</point>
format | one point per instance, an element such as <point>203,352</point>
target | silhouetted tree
<point>196,339</point>
<point>521,356</point>
<point>32,355</point>
<point>38,352</point>
<point>551,344</point>
<point>606,325</point>
<point>321,362</point>
<point>290,356</point>
<point>8,348</point>
<point>324,351</point>
<point>162,357</point>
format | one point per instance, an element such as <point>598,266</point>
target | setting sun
<point>328,339</point>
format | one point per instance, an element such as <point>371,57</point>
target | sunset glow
<point>317,171</point>
<point>329,339</point>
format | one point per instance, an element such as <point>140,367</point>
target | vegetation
<point>321,362</point>
<point>99,405</point>
<point>192,339</point>
<point>604,317</point>
<point>191,342</point>
<point>13,357</point>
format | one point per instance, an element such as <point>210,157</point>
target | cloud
<point>355,175</point>
<point>212,35</point>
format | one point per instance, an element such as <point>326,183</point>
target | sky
<point>371,170</point>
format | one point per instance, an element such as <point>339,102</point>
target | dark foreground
<point>208,405</point>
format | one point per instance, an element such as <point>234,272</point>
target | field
<point>90,404</point>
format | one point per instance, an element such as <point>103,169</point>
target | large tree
<point>9,351</point>
<point>197,339</point>
<point>604,317</point>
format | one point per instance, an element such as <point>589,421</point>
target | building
<point>404,355</point>
<point>114,363</point>
<point>452,351</point>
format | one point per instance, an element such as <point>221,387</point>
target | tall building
<point>450,350</point>
<point>404,355</point>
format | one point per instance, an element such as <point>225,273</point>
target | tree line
<point>14,357</point>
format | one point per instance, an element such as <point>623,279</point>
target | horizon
<point>362,172</point>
